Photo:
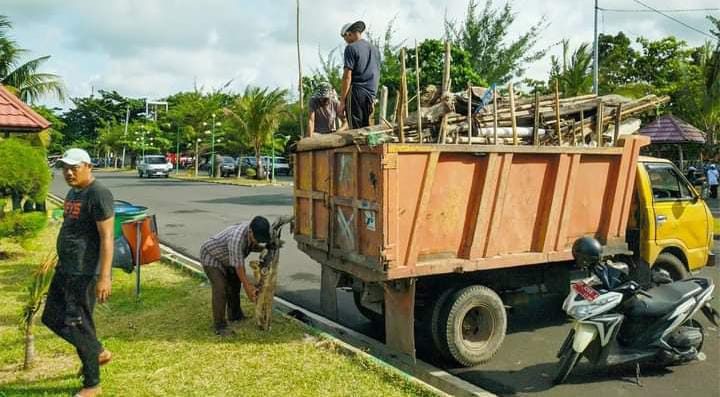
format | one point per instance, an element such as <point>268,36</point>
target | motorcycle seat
<point>662,299</point>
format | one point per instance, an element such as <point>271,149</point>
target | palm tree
<point>576,79</point>
<point>24,79</point>
<point>37,291</point>
<point>257,112</point>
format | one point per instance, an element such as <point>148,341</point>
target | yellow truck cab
<point>674,224</point>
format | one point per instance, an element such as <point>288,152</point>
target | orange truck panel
<point>397,211</point>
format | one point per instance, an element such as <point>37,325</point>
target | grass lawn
<point>163,345</point>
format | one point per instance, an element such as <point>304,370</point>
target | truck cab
<point>673,222</point>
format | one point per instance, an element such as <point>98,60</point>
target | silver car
<point>155,165</point>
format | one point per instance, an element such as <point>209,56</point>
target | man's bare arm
<point>247,285</point>
<point>344,91</point>
<point>104,283</point>
<point>311,124</point>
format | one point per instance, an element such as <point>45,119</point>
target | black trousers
<point>714,191</point>
<point>69,314</point>
<point>226,287</point>
<point>361,108</point>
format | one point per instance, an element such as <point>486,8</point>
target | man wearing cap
<point>323,110</point>
<point>223,260</point>
<point>361,75</point>
<point>85,250</point>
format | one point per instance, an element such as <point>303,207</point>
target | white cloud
<point>156,47</point>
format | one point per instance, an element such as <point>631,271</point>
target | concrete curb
<point>353,343</point>
<point>231,184</point>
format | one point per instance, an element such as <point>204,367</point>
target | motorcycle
<point>616,321</point>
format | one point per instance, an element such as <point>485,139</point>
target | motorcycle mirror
<point>661,278</point>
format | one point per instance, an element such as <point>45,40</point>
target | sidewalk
<point>234,180</point>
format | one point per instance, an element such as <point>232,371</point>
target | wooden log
<point>417,91</point>
<point>618,121</point>
<point>383,102</point>
<point>402,97</point>
<point>446,91</point>
<point>469,114</point>
<point>266,271</point>
<point>557,110</point>
<point>512,112</point>
<point>536,120</point>
<point>599,123</point>
<point>495,117</point>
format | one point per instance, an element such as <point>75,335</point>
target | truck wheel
<point>472,325</point>
<point>374,317</point>
<point>436,327</point>
<point>670,264</point>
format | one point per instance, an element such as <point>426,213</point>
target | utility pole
<point>300,83</point>
<point>595,53</point>
<point>127,120</point>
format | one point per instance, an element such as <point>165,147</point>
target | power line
<point>675,19</point>
<point>659,10</point>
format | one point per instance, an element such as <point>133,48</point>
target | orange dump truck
<point>430,237</point>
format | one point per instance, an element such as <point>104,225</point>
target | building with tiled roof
<point>17,117</point>
<point>674,139</point>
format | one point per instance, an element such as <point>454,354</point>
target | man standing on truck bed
<point>223,260</point>
<point>361,75</point>
<point>85,251</point>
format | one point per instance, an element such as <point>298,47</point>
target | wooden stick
<point>618,114</point>
<point>383,102</point>
<point>445,91</point>
<point>469,115</point>
<point>395,108</point>
<point>300,77</point>
<point>582,126</point>
<point>417,91</point>
<point>402,96</point>
<point>512,114</point>
<point>557,111</point>
<point>495,116</point>
<point>536,120</point>
<point>599,123</point>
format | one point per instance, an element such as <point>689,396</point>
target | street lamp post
<point>197,156</point>
<point>177,151</point>
<point>212,144</point>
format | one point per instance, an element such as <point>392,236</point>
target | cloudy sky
<point>152,48</point>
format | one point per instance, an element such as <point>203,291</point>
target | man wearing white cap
<point>361,75</point>
<point>85,250</point>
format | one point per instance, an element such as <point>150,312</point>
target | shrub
<point>24,170</point>
<point>250,172</point>
<point>22,227</point>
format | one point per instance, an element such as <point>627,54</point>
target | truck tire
<point>436,332</point>
<point>672,265</point>
<point>472,325</point>
<point>374,317</point>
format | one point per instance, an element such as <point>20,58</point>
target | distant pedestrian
<point>85,251</point>
<point>361,75</point>
<point>323,110</point>
<point>223,260</point>
<point>713,178</point>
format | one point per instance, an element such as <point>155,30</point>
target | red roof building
<point>17,117</point>
<point>670,129</point>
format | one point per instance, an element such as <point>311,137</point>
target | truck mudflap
<point>711,259</point>
<point>400,315</point>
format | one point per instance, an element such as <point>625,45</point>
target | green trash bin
<point>124,212</point>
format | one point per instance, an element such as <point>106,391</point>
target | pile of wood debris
<point>587,120</point>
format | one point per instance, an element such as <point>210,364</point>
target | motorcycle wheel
<point>567,363</point>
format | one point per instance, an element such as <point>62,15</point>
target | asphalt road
<point>190,212</point>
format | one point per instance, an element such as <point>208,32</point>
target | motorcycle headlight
<point>580,311</point>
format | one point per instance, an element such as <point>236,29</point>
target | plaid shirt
<point>227,248</point>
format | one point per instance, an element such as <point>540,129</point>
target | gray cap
<point>358,26</point>
<point>75,156</point>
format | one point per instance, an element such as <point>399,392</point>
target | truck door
<point>680,216</point>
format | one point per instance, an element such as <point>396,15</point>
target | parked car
<point>154,165</point>
<point>228,166</point>
<point>282,167</point>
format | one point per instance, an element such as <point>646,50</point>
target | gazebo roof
<point>670,129</point>
<point>16,116</point>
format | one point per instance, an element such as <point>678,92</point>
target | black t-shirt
<point>364,60</point>
<point>78,244</point>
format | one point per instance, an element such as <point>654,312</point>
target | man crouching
<point>223,260</point>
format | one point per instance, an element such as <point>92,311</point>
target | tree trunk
<point>260,170</point>
<point>29,345</point>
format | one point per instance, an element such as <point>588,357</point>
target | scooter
<point>617,322</point>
